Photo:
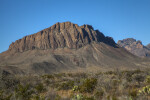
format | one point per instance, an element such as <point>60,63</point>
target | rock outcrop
<point>148,46</point>
<point>135,47</point>
<point>61,35</point>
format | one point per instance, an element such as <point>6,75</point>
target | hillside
<point>66,47</point>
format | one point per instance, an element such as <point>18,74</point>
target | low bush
<point>145,91</point>
<point>23,92</point>
<point>88,85</point>
<point>66,85</point>
<point>40,88</point>
<point>147,80</point>
<point>133,93</point>
<point>82,97</point>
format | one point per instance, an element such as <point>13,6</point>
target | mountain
<point>66,47</point>
<point>135,47</point>
<point>148,46</point>
<point>61,35</point>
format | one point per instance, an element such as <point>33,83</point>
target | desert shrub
<point>107,83</point>
<point>4,97</point>
<point>82,97</point>
<point>89,98</point>
<point>110,73</point>
<point>59,75</point>
<point>137,71</point>
<point>75,88</point>
<point>99,94</point>
<point>55,85</point>
<point>145,90</point>
<point>88,85</point>
<point>128,76</point>
<point>70,74</point>
<point>108,97</point>
<point>47,82</point>
<point>99,73</point>
<point>114,97</point>
<point>111,85</point>
<point>78,97</point>
<point>58,97</point>
<point>79,75</point>
<point>48,77</point>
<point>66,85</point>
<point>9,82</point>
<point>40,88</point>
<point>115,83</point>
<point>138,78</point>
<point>38,97</point>
<point>133,93</point>
<point>147,80</point>
<point>23,92</point>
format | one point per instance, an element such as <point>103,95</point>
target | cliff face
<point>61,35</point>
<point>135,47</point>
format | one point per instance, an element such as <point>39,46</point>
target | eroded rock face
<point>61,35</point>
<point>135,47</point>
<point>148,46</point>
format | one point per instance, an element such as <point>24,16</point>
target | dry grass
<point>110,85</point>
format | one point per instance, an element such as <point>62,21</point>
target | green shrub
<point>133,93</point>
<point>40,88</point>
<point>79,75</point>
<point>138,78</point>
<point>23,92</point>
<point>66,85</point>
<point>114,97</point>
<point>48,77</point>
<point>145,90</point>
<point>81,97</point>
<point>58,97</point>
<point>75,88</point>
<point>110,73</point>
<point>115,83</point>
<point>99,94</point>
<point>88,85</point>
<point>4,97</point>
<point>147,80</point>
<point>38,97</point>
<point>78,97</point>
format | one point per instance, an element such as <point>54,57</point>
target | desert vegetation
<point>110,85</point>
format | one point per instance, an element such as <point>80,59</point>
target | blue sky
<point>116,18</point>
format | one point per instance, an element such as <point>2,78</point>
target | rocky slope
<point>66,47</point>
<point>135,47</point>
<point>148,46</point>
<point>61,35</point>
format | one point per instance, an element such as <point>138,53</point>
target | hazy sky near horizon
<point>116,18</point>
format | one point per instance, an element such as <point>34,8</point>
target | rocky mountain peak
<point>130,42</point>
<point>135,47</point>
<point>61,35</point>
<point>148,46</point>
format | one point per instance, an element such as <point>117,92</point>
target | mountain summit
<point>61,35</point>
<point>66,47</point>
<point>135,47</point>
